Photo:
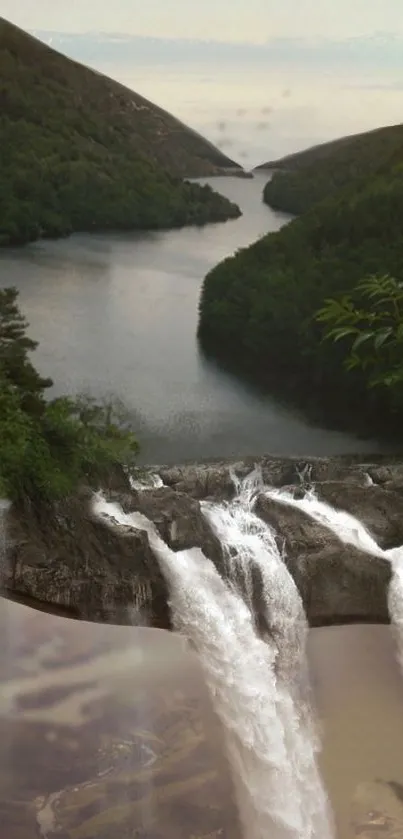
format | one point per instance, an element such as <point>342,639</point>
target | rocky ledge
<point>68,561</point>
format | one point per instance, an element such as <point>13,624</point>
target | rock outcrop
<point>67,560</point>
<point>379,508</point>
<point>71,563</point>
<point>338,583</point>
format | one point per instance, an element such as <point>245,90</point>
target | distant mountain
<point>302,179</point>
<point>95,47</point>
<point>79,151</point>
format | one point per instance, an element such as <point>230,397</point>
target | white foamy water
<point>258,686</point>
<point>147,480</point>
<point>348,528</point>
<point>351,531</point>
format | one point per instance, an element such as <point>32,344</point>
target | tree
<point>48,447</point>
<point>371,320</point>
<point>14,349</point>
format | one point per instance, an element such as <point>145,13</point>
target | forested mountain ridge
<point>79,151</point>
<point>302,179</point>
<point>259,308</point>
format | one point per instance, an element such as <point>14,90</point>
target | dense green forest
<point>259,308</point>
<point>79,152</point>
<point>318,173</point>
<point>47,447</point>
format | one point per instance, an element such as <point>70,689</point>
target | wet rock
<point>213,479</point>
<point>203,480</point>
<point>395,485</point>
<point>62,558</point>
<point>69,559</point>
<point>379,509</point>
<point>380,474</point>
<point>178,519</point>
<point>337,582</point>
<point>115,479</point>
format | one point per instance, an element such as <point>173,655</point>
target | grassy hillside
<point>258,307</point>
<point>318,172</point>
<point>79,151</point>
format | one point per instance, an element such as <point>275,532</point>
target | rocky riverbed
<point>67,560</point>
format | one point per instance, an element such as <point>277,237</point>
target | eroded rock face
<point>378,508</point>
<point>203,480</point>
<point>337,582</point>
<point>66,559</point>
<point>178,519</point>
<point>76,564</point>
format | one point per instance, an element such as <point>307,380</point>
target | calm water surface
<point>108,732</point>
<point>117,315</point>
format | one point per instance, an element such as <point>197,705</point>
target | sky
<point>255,102</point>
<point>225,20</point>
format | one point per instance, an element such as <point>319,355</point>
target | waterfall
<point>259,686</point>
<point>348,529</point>
<point>352,532</point>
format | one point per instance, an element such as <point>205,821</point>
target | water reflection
<point>116,315</point>
<point>108,733</point>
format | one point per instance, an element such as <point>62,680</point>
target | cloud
<point>227,20</point>
<point>374,86</point>
<point>377,51</point>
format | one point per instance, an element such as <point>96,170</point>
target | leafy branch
<point>371,319</point>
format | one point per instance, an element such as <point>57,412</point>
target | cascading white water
<point>257,685</point>
<point>145,481</point>
<point>352,532</point>
<point>349,529</point>
<point>289,769</point>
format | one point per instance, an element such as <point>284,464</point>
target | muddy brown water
<point>358,689</point>
<point>108,732</point>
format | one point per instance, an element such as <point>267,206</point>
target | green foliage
<point>47,448</point>
<point>258,308</point>
<point>88,436</point>
<point>320,172</point>
<point>79,152</point>
<point>17,439</point>
<point>14,349</point>
<point>371,319</point>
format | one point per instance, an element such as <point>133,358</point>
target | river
<point>116,315</point>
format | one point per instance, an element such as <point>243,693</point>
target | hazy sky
<point>252,20</point>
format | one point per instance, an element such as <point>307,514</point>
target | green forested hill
<point>319,172</point>
<point>258,308</point>
<point>79,151</point>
